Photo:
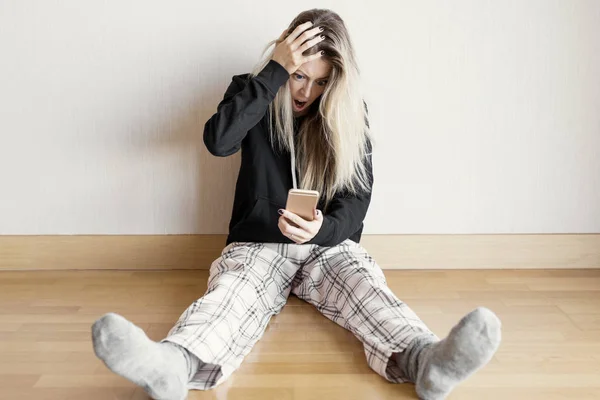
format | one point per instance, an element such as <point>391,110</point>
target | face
<point>307,84</point>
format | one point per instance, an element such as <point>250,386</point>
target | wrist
<point>273,75</point>
<point>282,64</point>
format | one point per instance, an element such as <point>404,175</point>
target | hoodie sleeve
<point>345,214</point>
<point>244,104</point>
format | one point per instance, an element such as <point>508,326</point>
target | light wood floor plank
<point>550,348</point>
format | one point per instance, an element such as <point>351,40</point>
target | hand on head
<point>288,51</point>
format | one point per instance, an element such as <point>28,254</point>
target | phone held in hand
<point>302,203</point>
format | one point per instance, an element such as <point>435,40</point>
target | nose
<point>305,90</point>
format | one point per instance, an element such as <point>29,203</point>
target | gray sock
<point>162,369</point>
<point>438,367</point>
<point>410,360</point>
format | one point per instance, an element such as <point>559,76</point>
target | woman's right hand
<point>288,51</point>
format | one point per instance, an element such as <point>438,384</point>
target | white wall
<point>487,113</point>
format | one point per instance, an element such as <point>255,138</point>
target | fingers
<point>288,51</point>
<point>301,222</point>
<point>295,234</point>
<point>310,43</point>
<point>313,57</point>
<point>281,37</point>
<point>304,37</point>
<point>318,215</point>
<point>298,31</point>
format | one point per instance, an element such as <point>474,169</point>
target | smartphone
<point>302,203</point>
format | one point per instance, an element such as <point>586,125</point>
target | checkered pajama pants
<point>250,282</point>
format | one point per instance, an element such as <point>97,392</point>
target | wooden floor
<point>550,348</point>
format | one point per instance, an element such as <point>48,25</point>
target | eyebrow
<point>318,79</point>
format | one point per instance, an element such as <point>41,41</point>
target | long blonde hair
<point>334,137</point>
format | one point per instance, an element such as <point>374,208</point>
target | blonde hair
<point>334,137</point>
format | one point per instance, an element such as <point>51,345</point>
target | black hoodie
<point>265,176</point>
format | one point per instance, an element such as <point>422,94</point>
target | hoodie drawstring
<point>293,158</point>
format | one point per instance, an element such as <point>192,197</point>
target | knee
<point>367,272</point>
<point>360,274</point>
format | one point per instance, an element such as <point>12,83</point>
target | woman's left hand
<point>304,230</point>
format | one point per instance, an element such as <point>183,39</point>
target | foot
<point>160,368</point>
<point>469,346</point>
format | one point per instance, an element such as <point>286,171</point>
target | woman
<point>299,114</point>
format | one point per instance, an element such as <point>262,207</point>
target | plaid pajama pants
<point>250,282</point>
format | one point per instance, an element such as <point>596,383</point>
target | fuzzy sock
<point>437,367</point>
<point>163,370</point>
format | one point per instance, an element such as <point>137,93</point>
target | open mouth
<point>299,105</point>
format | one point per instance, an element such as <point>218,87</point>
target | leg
<point>248,284</point>
<point>347,286</point>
